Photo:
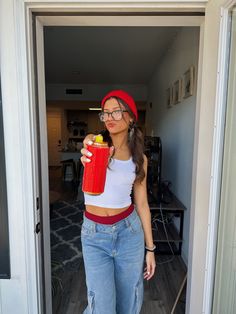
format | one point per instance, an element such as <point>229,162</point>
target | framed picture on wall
<point>169,97</point>
<point>188,82</point>
<point>177,91</point>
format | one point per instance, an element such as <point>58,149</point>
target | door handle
<point>37,227</point>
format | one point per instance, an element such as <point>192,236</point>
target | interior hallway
<point>70,292</point>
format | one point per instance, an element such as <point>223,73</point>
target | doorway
<point>151,132</point>
<point>180,110</point>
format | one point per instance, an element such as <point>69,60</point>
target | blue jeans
<point>113,259</point>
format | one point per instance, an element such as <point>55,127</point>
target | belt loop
<point>127,221</point>
<point>94,227</point>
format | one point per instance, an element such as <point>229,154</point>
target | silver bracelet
<point>152,249</point>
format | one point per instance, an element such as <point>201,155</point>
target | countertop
<point>69,151</point>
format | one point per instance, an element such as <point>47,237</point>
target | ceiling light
<point>94,108</point>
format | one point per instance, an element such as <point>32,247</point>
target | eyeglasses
<point>116,115</point>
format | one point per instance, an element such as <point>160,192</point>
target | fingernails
<point>90,142</point>
<point>88,160</point>
<point>89,154</point>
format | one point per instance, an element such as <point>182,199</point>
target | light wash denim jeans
<point>114,259</point>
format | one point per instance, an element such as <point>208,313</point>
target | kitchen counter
<point>75,155</point>
<point>69,151</point>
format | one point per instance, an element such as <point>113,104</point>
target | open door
<point>54,137</point>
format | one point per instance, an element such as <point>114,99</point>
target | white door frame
<point>18,94</point>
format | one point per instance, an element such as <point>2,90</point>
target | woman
<point>114,233</point>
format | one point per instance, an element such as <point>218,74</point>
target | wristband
<point>152,249</point>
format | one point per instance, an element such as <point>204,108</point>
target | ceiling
<point>104,55</point>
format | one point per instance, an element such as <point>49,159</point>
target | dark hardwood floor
<point>159,293</point>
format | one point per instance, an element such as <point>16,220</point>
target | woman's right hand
<point>84,151</point>
<point>86,154</point>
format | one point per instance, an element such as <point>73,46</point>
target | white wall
<point>175,125</point>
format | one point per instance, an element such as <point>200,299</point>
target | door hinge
<point>37,227</point>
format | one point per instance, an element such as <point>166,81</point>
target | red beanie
<point>125,97</point>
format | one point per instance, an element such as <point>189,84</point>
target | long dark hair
<point>135,142</point>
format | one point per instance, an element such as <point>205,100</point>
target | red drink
<point>95,171</point>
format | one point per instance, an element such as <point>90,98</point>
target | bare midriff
<point>101,211</point>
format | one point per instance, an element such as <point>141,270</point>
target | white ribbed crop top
<point>118,186</point>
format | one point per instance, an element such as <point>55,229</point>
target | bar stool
<point>68,164</point>
<point>78,168</point>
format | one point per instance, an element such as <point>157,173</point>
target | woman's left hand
<point>150,265</point>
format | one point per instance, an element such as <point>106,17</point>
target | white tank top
<point>118,186</point>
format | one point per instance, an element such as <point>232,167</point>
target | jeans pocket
<point>135,225</point>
